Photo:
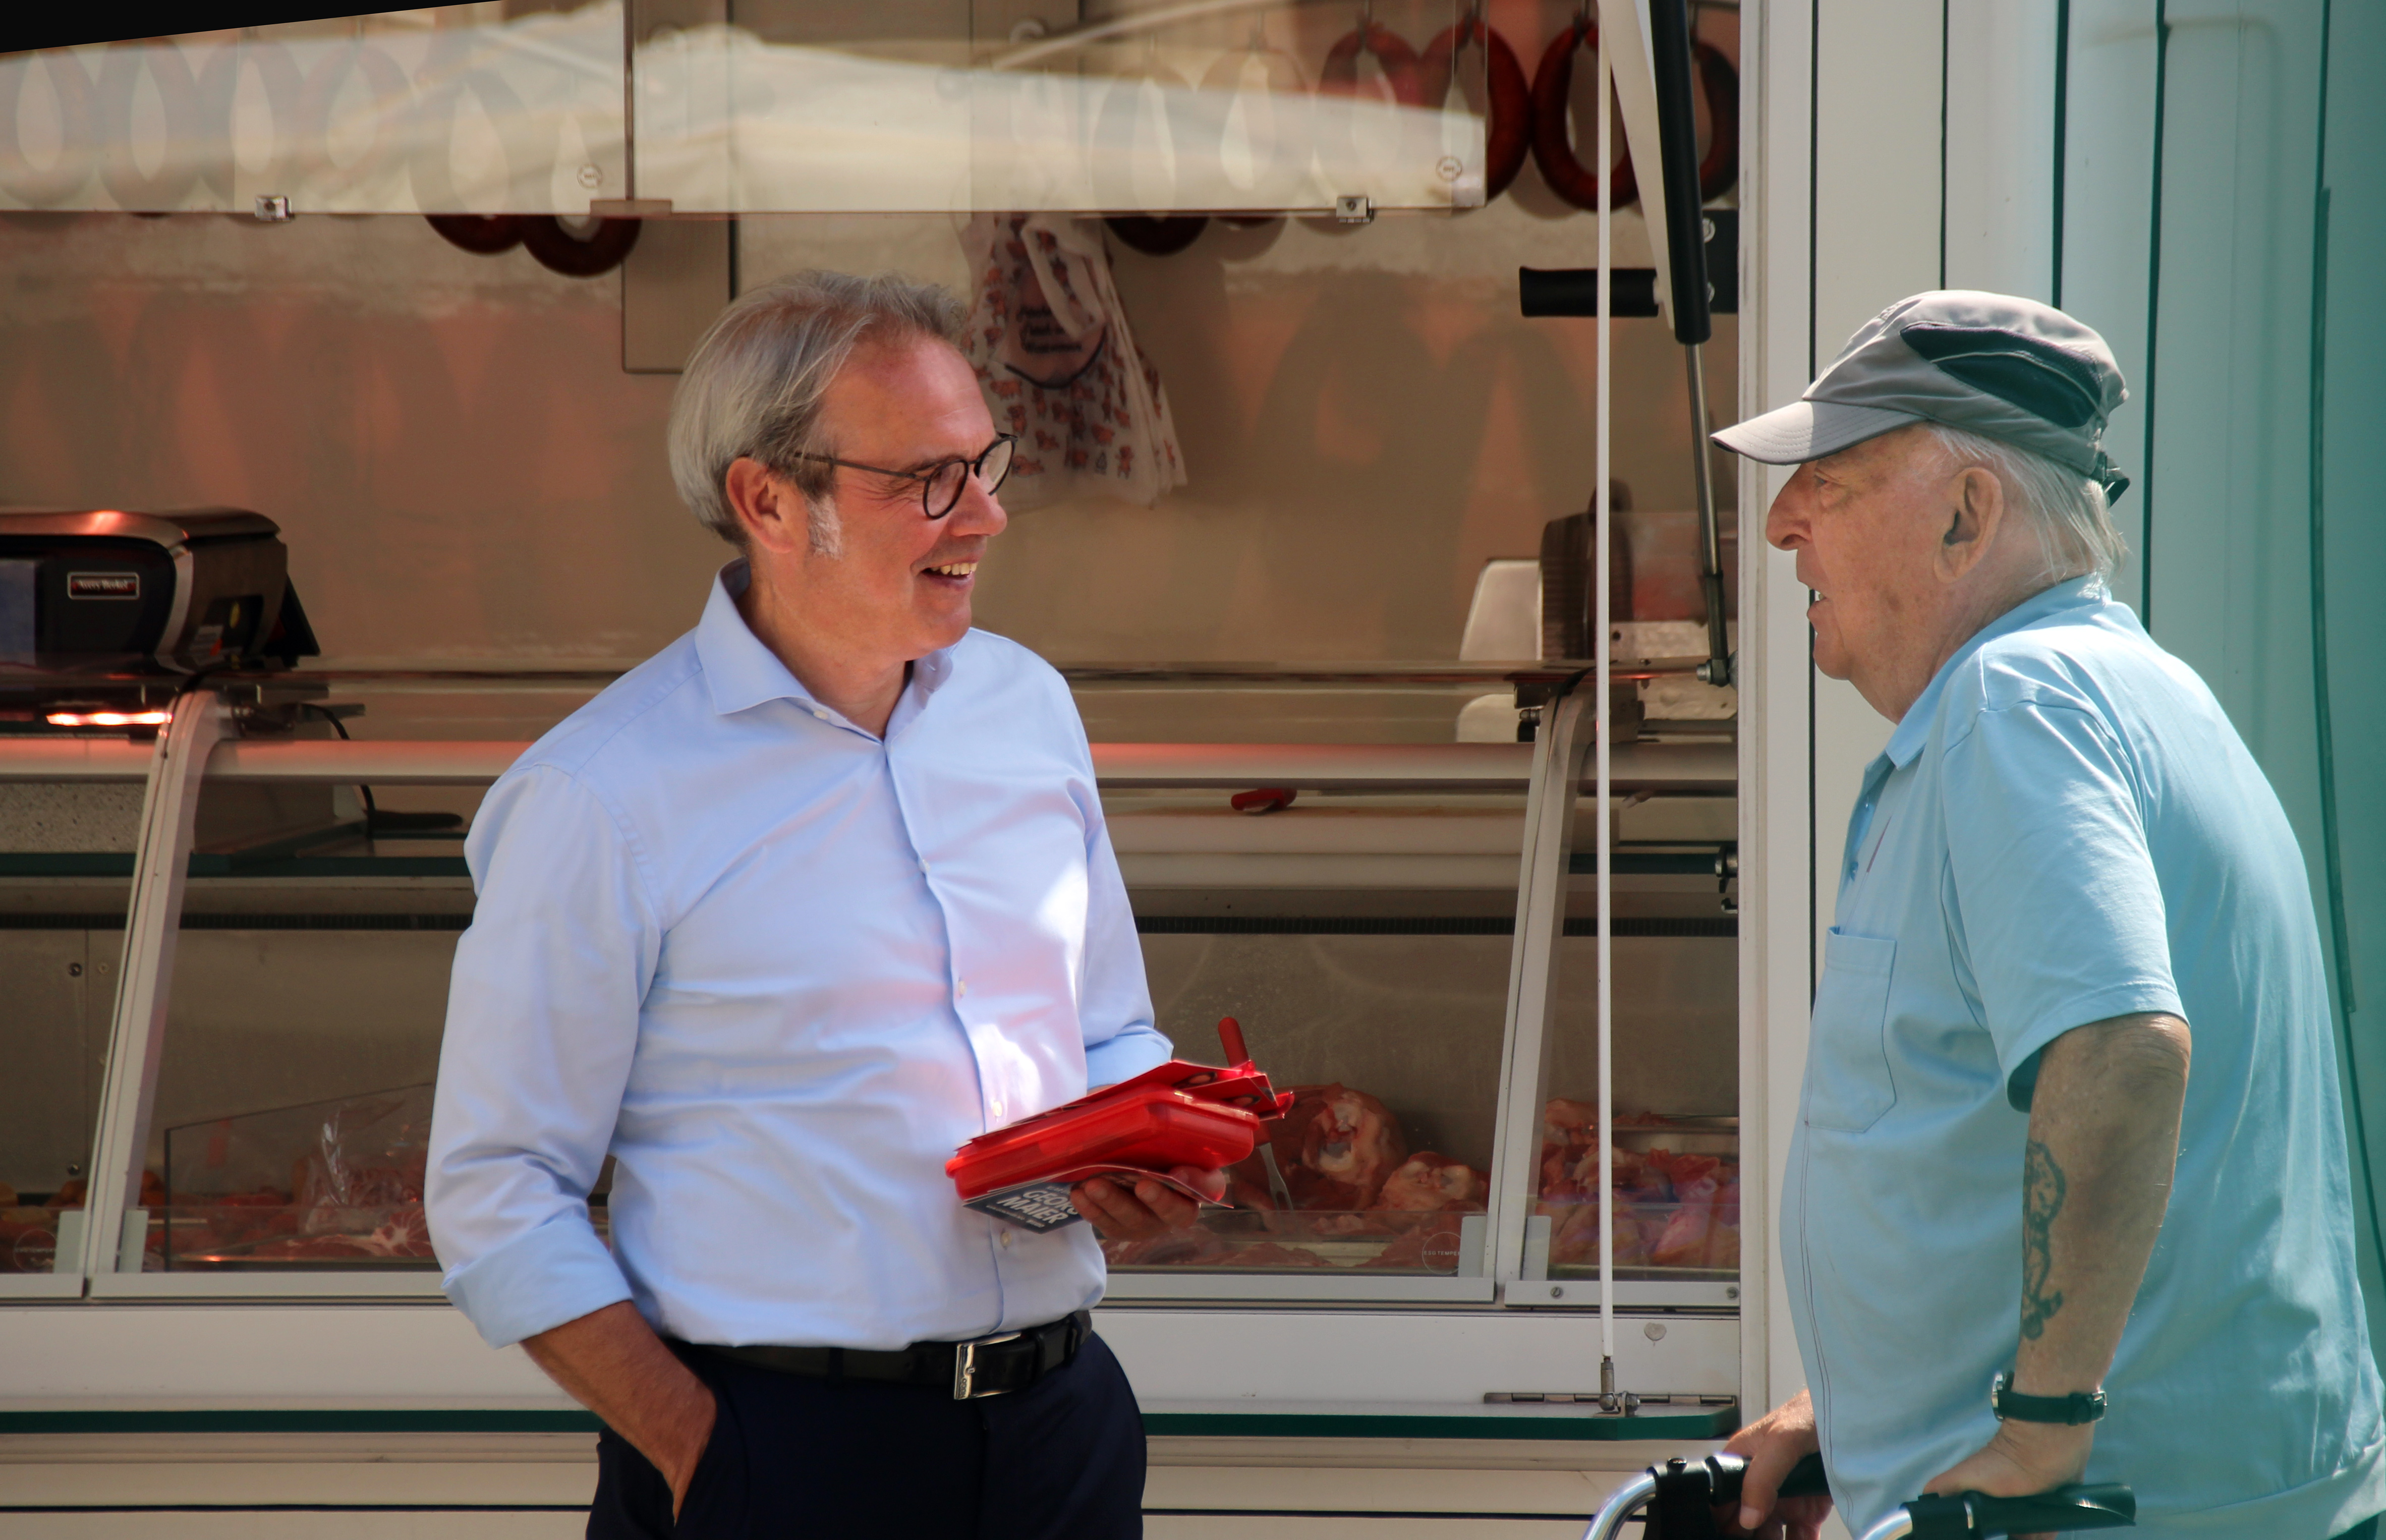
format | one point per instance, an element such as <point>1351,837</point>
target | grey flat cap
<point>2005,368</point>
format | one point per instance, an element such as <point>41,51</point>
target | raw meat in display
<point>1682,1243</point>
<point>1196,1246</point>
<point>1333,1149</point>
<point>29,1238</point>
<point>1432,1245</point>
<point>1672,1211</point>
<point>1430,1182</point>
<point>330,1182</point>
<point>1345,1192</point>
<point>1350,1143</point>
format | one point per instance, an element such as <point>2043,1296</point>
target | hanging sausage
<point>1508,106</point>
<point>1719,83</point>
<point>1262,148</point>
<point>1553,148</point>
<point>1398,84</point>
<point>561,249</point>
<point>1139,131</point>
<point>481,235</point>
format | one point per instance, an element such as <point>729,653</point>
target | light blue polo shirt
<point>2065,827</point>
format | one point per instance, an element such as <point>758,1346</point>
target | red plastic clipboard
<point>1177,1114</point>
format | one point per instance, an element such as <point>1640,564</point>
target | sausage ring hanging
<point>1137,99</point>
<point>1338,76</point>
<point>1719,83</point>
<point>559,250</point>
<point>481,235</point>
<point>1508,108</point>
<point>1274,122</point>
<point>1552,145</point>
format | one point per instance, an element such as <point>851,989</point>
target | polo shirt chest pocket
<point>1848,1081</point>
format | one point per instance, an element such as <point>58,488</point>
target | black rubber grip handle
<point>1574,290</point>
<point>1806,1478</point>
<point>1971,1515</point>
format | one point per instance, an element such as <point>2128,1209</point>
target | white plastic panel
<point>1229,105</point>
<point>446,109</point>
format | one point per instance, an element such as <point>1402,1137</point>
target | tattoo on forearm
<point>2042,1186</point>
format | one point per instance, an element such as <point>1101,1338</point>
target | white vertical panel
<point>2107,221</point>
<point>1877,212</point>
<point>1775,911</point>
<point>2001,146</point>
<point>1846,126</point>
<point>1876,161</point>
<point>1858,143</point>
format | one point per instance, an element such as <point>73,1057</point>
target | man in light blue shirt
<point>777,921</point>
<point>2063,874</point>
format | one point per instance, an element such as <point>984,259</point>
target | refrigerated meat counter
<point>231,1121</point>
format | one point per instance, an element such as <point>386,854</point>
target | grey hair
<point>755,385</point>
<point>2074,528</point>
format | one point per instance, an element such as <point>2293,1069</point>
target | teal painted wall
<point>2202,140</point>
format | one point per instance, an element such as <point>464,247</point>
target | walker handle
<point>1963,1516</point>
<point>1806,1477</point>
<point>1972,1516</point>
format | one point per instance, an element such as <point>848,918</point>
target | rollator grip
<point>1724,1473</point>
<point>1961,1517</point>
<point>1684,1494</point>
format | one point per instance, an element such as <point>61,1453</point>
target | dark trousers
<point>794,1456</point>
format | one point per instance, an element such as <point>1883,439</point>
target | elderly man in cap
<point>2023,1244</point>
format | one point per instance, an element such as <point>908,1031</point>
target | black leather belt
<point>981,1367</point>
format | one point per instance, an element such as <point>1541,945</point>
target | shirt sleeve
<point>542,1025</point>
<point>2059,913</point>
<point>1115,1007</point>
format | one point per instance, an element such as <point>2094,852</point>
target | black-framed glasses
<point>940,485</point>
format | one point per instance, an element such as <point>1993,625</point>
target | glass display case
<point>292,913</point>
<point>1402,925</point>
<point>70,805</point>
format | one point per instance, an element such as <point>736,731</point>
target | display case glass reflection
<point>306,988</point>
<point>65,861</point>
<point>1674,1146</point>
<point>1352,904</point>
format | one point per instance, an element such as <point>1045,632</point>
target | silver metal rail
<point>118,1227</point>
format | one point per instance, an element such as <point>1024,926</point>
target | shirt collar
<point>1913,728</point>
<point>740,673</point>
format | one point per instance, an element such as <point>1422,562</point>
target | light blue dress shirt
<point>779,969</point>
<point>2065,827</point>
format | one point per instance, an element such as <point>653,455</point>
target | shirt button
<point>924,869</point>
<point>961,989</point>
<point>821,714</point>
<point>1006,1240</point>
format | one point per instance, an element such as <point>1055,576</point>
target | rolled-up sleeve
<point>2061,915</point>
<point>1114,1005</point>
<point>542,1027</point>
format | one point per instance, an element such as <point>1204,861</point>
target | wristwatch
<point>2012,1406</point>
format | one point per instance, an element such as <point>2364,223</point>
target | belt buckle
<point>965,1366</point>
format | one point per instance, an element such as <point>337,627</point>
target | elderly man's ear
<point>1973,511</point>
<point>770,509</point>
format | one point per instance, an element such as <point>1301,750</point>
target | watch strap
<point>2012,1406</point>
